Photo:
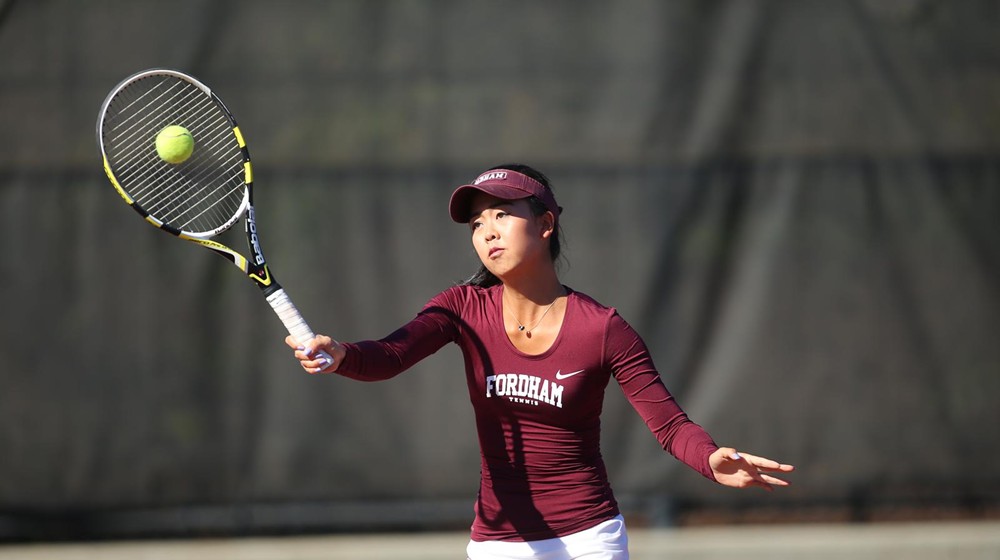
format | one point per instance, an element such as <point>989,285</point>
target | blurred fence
<point>796,204</point>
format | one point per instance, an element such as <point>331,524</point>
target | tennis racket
<point>200,197</point>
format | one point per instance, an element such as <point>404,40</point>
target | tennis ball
<point>174,144</point>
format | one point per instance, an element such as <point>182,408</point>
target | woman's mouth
<point>494,251</point>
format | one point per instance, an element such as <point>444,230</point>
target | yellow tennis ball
<point>174,144</point>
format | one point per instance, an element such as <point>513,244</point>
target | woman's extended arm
<point>376,360</point>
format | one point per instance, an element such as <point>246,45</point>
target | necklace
<point>524,329</point>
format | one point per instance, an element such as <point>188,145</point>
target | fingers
<point>317,364</point>
<point>316,355</point>
<point>742,470</point>
<point>766,464</point>
<point>309,347</point>
<point>774,481</point>
<point>730,454</point>
<point>752,469</point>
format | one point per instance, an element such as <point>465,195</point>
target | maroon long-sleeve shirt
<point>538,416</point>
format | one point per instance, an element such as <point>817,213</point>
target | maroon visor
<point>503,184</point>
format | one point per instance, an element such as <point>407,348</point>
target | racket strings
<point>205,193</point>
<point>168,195</point>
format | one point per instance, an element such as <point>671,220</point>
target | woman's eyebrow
<point>494,206</point>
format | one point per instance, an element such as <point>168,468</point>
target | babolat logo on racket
<point>258,254</point>
<point>490,177</point>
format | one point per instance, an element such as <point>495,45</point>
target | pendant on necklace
<point>526,330</point>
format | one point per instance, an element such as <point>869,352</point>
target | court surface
<point>913,541</point>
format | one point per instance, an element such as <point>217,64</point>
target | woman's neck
<point>535,291</point>
<point>533,314</point>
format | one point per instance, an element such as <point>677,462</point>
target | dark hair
<point>483,277</point>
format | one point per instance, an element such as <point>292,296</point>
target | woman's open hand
<point>743,470</point>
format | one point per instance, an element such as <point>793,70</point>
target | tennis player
<point>538,357</point>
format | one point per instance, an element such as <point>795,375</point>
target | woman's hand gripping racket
<point>193,190</point>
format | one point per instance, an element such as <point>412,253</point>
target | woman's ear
<point>548,224</point>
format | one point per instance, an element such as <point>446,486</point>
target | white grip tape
<point>292,319</point>
<point>290,316</point>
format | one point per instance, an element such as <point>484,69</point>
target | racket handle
<point>292,319</point>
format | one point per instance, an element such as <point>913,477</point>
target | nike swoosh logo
<point>560,376</point>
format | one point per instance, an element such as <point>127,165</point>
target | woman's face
<point>506,235</point>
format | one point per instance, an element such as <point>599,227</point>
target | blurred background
<point>796,203</point>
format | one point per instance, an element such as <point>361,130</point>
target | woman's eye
<point>501,215</point>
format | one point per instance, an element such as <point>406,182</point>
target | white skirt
<point>604,541</point>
